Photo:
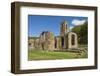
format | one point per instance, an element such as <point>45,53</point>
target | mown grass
<point>47,55</point>
<point>83,46</point>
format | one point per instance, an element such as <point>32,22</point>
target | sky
<point>39,23</point>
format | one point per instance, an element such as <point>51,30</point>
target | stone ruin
<point>47,41</point>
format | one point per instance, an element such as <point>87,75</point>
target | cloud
<point>71,27</point>
<point>78,22</point>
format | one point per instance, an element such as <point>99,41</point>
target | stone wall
<point>47,40</point>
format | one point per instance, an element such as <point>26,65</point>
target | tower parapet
<point>63,28</point>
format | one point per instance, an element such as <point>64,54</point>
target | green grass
<point>47,55</point>
<point>82,46</point>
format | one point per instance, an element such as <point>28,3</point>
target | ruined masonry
<point>47,41</point>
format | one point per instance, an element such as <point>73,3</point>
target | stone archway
<point>72,40</point>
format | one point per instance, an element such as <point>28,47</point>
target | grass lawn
<point>83,46</point>
<point>47,55</point>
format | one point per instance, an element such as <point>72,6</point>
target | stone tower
<point>63,32</point>
<point>63,28</point>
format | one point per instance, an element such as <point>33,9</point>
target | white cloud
<point>78,22</point>
<point>71,27</point>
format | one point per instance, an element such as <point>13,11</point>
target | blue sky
<point>39,23</point>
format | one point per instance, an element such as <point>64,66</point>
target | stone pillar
<point>36,43</point>
<point>57,43</point>
<point>49,43</point>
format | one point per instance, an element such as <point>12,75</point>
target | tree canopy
<point>82,32</point>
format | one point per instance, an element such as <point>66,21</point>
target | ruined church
<point>47,40</point>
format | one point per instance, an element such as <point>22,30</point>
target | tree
<point>82,32</point>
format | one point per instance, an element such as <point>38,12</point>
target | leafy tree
<point>82,32</point>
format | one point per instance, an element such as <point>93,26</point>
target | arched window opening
<point>29,44</point>
<point>55,43</point>
<point>42,46</point>
<point>73,40</point>
<point>62,41</point>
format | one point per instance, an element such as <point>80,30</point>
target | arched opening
<point>42,46</point>
<point>73,39</point>
<point>62,41</point>
<point>29,44</point>
<point>55,43</point>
